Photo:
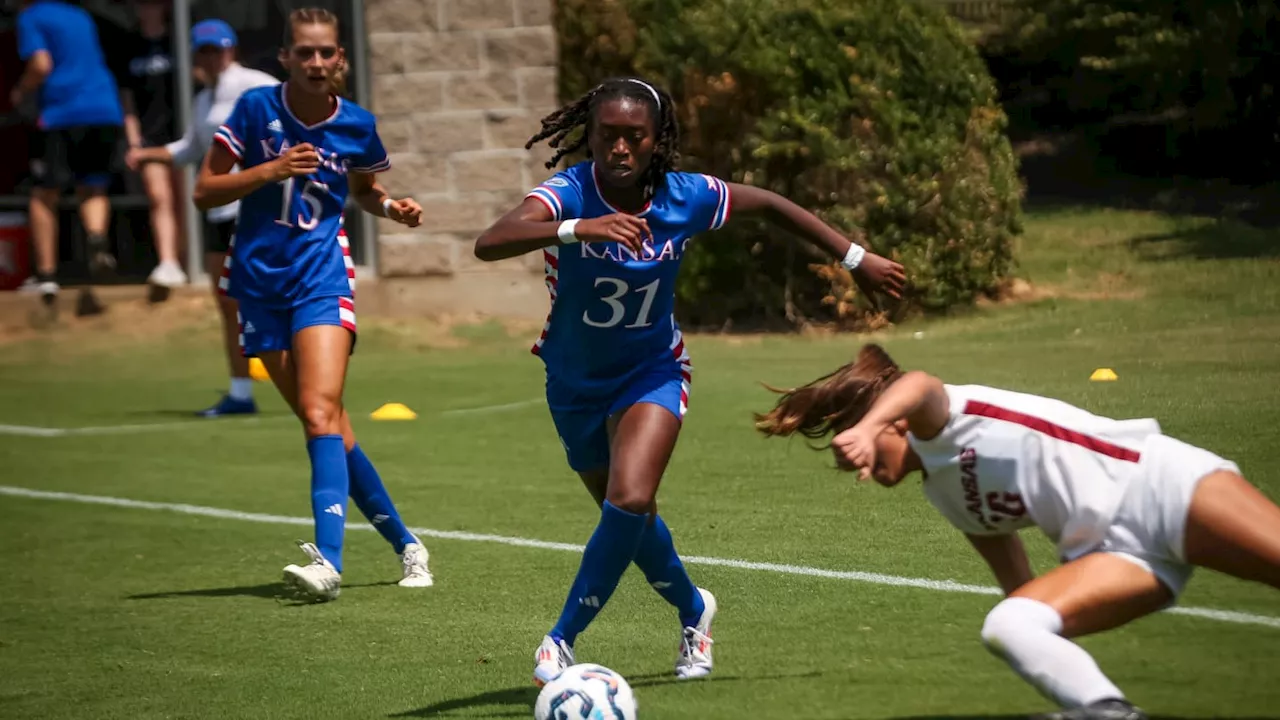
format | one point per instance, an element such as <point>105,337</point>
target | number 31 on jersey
<point>614,294</point>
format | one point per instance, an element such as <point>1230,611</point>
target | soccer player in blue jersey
<point>302,149</point>
<point>612,231</point>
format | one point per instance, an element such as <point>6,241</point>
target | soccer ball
<point>586,692</point>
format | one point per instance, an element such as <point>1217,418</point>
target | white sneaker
<point>318,580</point>
<point>168,275</point>
<point>414,558</point>
<point>552,658</point>
<point>695,643</point>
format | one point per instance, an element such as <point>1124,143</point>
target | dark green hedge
<point>876,114</point>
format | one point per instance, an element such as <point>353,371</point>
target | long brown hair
<point>833,402</point>
<point>320,16</point>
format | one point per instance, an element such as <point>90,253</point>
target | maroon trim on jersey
<point>1053,430</point>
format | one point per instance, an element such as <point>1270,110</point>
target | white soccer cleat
<point>317,580</point>
<point>695,643</point>
<point>414,558</point>
<point>552,658</point>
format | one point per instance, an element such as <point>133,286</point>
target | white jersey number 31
<point>617,311</point>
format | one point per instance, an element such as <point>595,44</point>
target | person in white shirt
<point>1131,510</point>
<point>214,45</point>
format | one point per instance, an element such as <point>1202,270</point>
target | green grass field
<point>129,612</point>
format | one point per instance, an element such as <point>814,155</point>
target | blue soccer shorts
<point>265,329</point>
<point>582,421</point>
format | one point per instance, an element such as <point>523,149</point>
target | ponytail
<point>833,402</point>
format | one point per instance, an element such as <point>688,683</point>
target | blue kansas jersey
<point>287,246</point>
<point>611,308</point>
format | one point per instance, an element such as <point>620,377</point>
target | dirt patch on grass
<point>132,319</point>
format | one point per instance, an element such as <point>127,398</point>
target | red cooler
<point>15,242</point>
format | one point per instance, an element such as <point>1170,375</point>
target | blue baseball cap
<point>212,33</point>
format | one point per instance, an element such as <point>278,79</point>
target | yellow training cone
<point>257,370</point>
<point>393,411</point>
<point>1104,375</point>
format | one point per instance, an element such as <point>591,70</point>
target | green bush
<point>877,115</point>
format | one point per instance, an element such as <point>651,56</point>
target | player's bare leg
<point>158,181</point>
<point>42,210</point>
<point>284,375</point>
<point>1233,528</point>
<point>1029,630</point>
<point>642,440</point>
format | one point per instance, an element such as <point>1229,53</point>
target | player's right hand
<point>622,228</point>
<point>298,160</point>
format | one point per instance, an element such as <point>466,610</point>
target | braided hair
<point>834,402</point>
<point>565,122</point>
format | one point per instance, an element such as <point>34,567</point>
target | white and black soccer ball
<point>586,692</point>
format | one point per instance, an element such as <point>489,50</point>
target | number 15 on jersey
<point>310,197</point>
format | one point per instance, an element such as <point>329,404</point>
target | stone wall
<point>458,87</point>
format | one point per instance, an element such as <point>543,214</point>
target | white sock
<point>1024,632</point>
<point>241,389</point>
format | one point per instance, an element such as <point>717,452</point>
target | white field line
<point>493,408</point>
<point>49,432</point>
<point>1229,616</point>
<point>35,431</point>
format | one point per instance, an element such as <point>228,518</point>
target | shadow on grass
<point>1223,240</point>
<point>268,591</point>
<point>1024,717</point>
<point>519,700</point>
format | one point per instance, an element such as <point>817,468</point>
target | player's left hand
<point>405,211</point>
<point>855,450</point>
<point>880,273</point>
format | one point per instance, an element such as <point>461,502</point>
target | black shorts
<point>82,156</point>
<point>218,235</point>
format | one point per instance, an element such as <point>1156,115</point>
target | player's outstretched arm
<point>1006,557</point>
<point>530,226</point>
<point>917,397</point>
<point>374,199</point>
<point>217,185</point>
<point>870,271</point>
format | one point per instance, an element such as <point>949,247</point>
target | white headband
<point>647,86</point>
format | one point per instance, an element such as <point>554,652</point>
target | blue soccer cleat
<point>229,406</point>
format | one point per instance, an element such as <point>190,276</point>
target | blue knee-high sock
<point>371,497</point>
<point>329,482</point>
<point>608,553</point>
<point>661,566</point>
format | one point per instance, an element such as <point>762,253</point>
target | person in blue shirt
<point>302,149</point>
<point>612,231</point>
<point>79,125</point>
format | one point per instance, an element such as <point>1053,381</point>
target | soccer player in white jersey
<point>214,44</point>
<point>1132,511</point>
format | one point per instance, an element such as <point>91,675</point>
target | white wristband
<point>566,232</point>
<point>853,258</point>
<point>386,206</point>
